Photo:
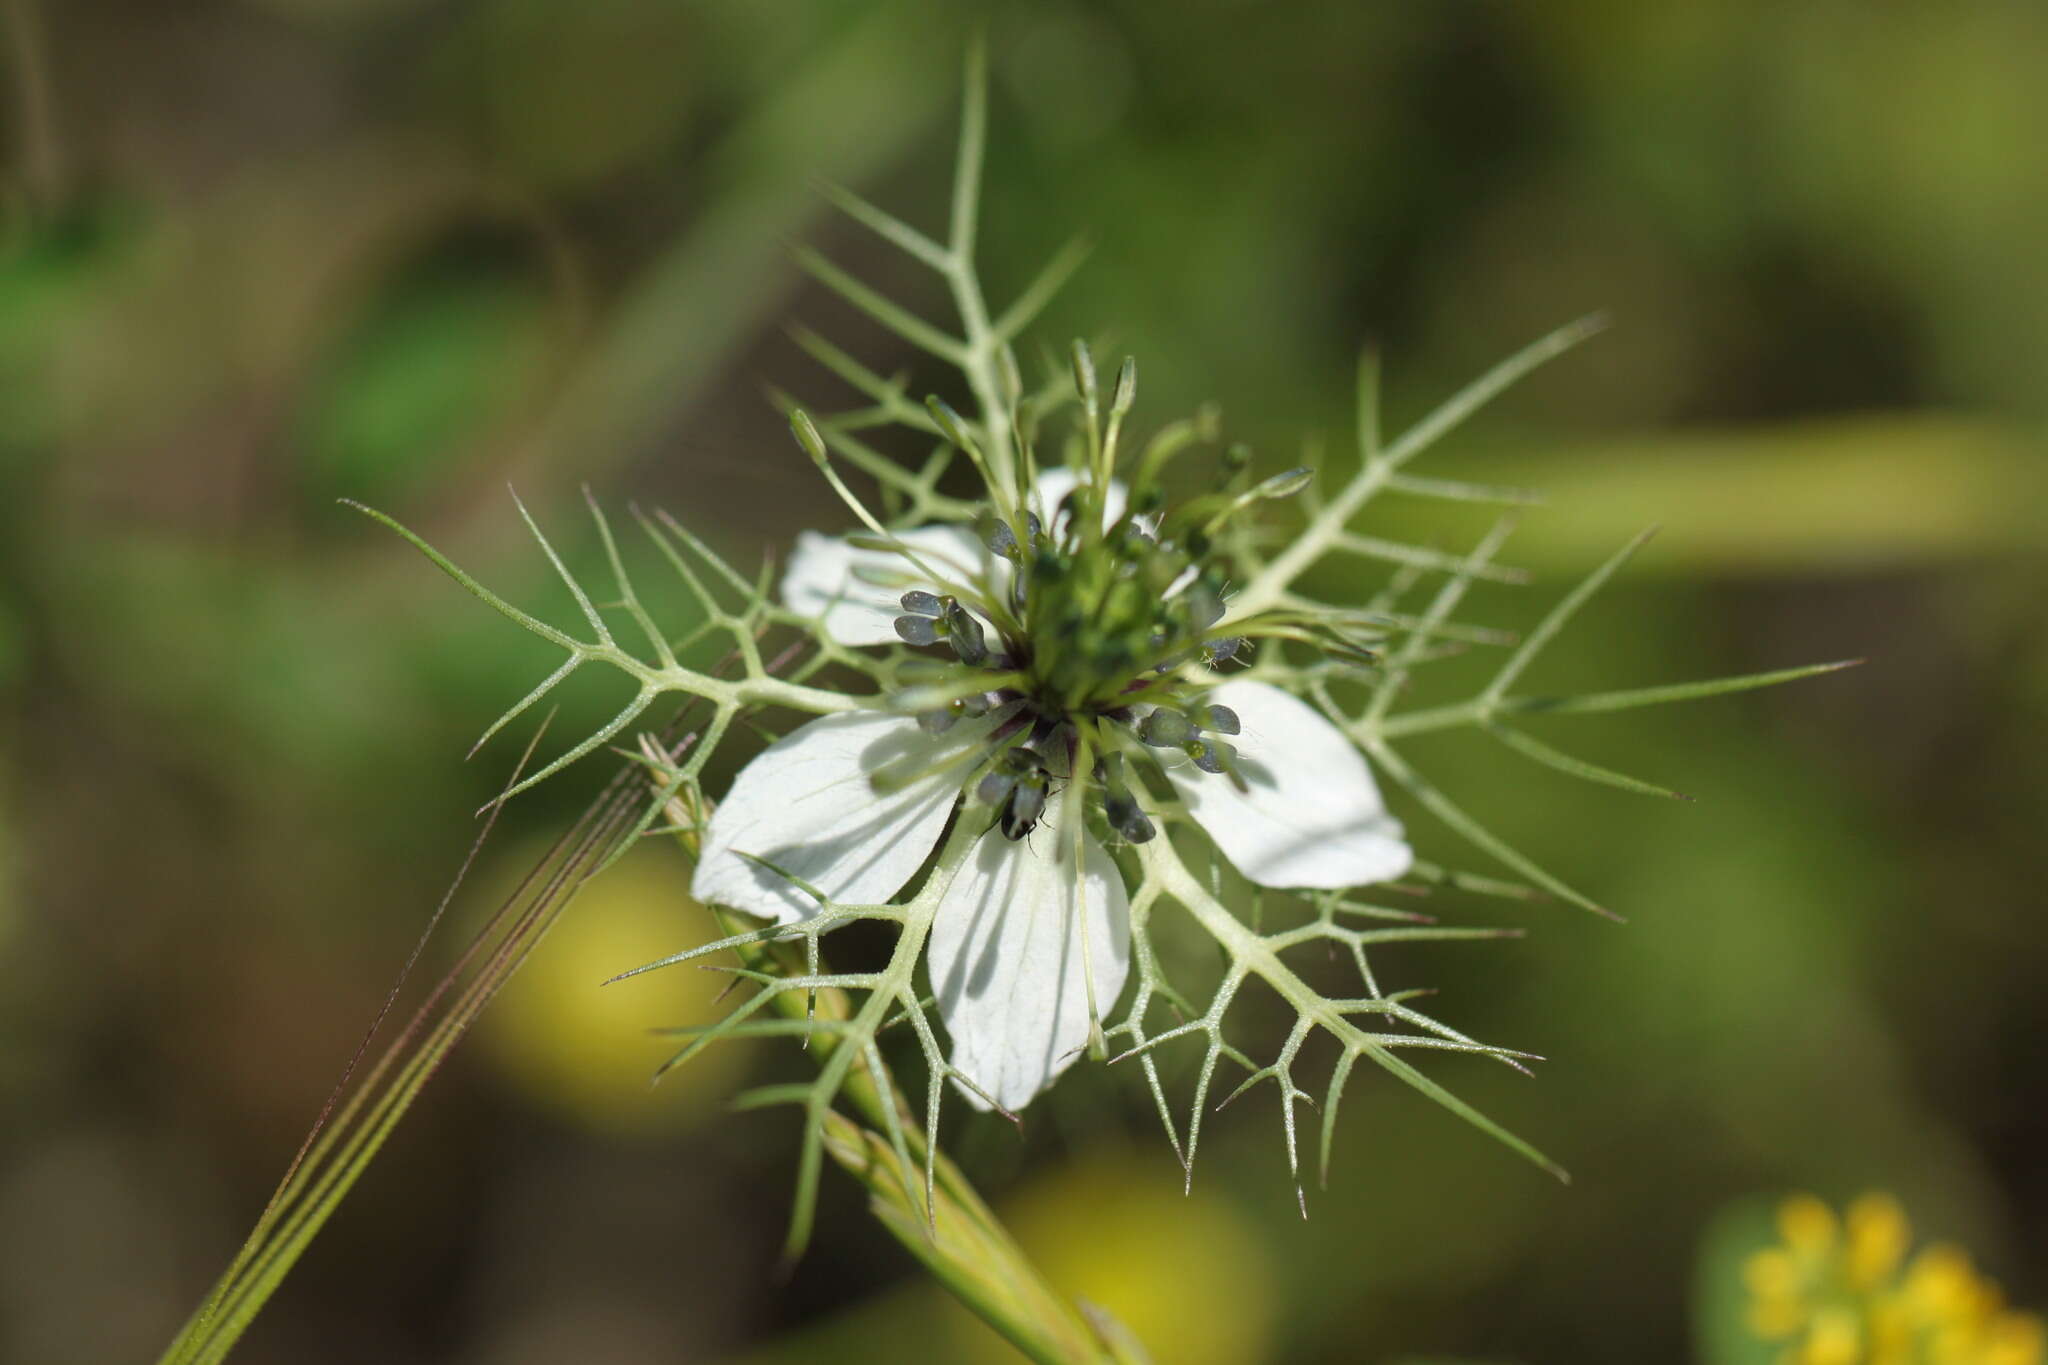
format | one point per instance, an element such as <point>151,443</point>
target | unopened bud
<point>1084,376</point>
<point>1126,387</point>
<point>1285,484</point>
<point>807,436</point>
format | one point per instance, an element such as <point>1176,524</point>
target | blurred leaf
<point>569,94</point>
<point>426,373</point>
<point>44,281</point>
<point>728,272</point>
<point>1836,496</point>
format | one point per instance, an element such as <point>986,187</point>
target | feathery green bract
<point>360,1116</point>
<point>1009,419</point>
<point>1352,662</point>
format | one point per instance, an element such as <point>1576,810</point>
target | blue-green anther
<point>1000,539</point>
<point>919,630</point>
<point>965,635</point>
<point>1204,605</point>
<point>1119,807</point>
<point>1127,817</point>
<point>1224,650</point>
<point>1164,729</point>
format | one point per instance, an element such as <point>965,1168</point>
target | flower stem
<point>958,1238</point>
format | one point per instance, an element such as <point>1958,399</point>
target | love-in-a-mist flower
<point>1075,681</point>
<point>1040,717</point>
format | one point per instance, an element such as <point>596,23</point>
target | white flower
<point>841,584</point>
<point>831,580</point>
<point>1013,980</point>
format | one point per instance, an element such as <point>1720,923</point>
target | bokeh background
<point>262,254</point>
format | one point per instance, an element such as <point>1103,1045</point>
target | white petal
<point>1056,481</point>
<point>1007,963</point>
<point>821,581</point>
<point>806,804</point>
<point>1313,816</point>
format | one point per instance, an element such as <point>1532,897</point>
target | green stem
<point>957,1237</point>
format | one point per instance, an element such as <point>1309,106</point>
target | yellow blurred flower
<point>588,1051</point>
<point>1841,1292</point>
<point>1187,1273</point>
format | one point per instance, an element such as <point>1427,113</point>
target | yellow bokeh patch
<point>1188,1274</point>
<point>587,1051</point>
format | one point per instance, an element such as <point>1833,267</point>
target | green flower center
<point>1088,652</point>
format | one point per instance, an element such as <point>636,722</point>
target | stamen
<point>1000,539</point>
<point>1224,650</point>
<point>919,630</point>
<point>1164,729</point>
<point>965,635</point>
<point>1119,807</point>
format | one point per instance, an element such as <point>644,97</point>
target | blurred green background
<point>257,255</point>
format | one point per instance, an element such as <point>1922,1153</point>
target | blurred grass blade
<point>350,1132</point>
